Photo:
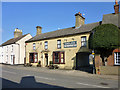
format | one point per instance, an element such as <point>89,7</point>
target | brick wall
<point>98,61</point>
<point>110,60</point>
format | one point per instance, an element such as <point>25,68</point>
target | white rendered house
<point>13,50</point>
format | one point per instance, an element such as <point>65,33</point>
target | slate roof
<point>112,19</point>
<point>64,32</point>
<point>13,40</point>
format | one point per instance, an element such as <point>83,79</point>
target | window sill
<point>116,64</point>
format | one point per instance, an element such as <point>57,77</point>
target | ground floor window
<point>33,58</point>
<point>117,58</point>
<point>58,57</point>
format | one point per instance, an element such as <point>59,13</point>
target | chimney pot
<point>116,7</point>
<point>116,2</point>
<point>80,14</point>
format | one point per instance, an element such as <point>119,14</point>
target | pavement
<point>63,72</point>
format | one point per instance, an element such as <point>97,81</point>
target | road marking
<point>9,72</point>
<point>92,85</point>
<point>45,78</point>
<point>42,77</point>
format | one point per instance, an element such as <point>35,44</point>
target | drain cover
<point>103,83</point>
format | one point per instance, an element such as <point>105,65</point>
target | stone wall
<point>109,70</point>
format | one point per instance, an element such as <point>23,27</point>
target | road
<point>14,77</point>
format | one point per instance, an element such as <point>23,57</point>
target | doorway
<point>46,59</point>
<point>82,62</point>
<point>12,59</point>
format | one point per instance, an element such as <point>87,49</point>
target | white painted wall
<point>0,54</point>
<point>17,49</point>
<point>22,48</point>
<point>7,51</point>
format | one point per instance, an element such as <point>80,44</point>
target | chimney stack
<point>116,7</point>
<point>39,30</point>
<point>80,20</point>
<point>17,33</point>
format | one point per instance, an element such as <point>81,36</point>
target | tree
<point>104,39</point>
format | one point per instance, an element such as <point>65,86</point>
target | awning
<point>84,50</point>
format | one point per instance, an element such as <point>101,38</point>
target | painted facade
<point>69,52</point>
<point>14,52</point>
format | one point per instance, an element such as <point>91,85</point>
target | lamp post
<point>93,53</point>
<point>94,70</point>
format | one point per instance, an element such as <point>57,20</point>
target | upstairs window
<point>83,41</point>
<point>34,46</point>
<point>58,44</point>
<point>46,44</point>
<point>7,49</point>
<point>12,48</point>
<point>117,58</point>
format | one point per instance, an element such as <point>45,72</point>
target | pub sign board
<point>70,44</point>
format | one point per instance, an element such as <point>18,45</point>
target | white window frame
<point>58,44</point>
<point>46,45</point>
<point>116,58</point>
<point>34,46</point>
<point>83,41</point>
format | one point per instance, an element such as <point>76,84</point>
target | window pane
<point>62,58</point>
<point>46,47</point>
<point>83,41</point>
<point>84,44</point>
<point>56,60</point>
<point>59,46</point>
<point>59,42</point>
<point>46,43</point>
<point>117,58</point>
<point>83,38</point>
<point>33,46</point>
<point>35,57</point>
<point>57,57</point>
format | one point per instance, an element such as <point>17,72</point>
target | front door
<point>12,59</point>
<point>31,58</point>
<point>46,59</point>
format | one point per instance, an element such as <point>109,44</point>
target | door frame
<point>46,59</point>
